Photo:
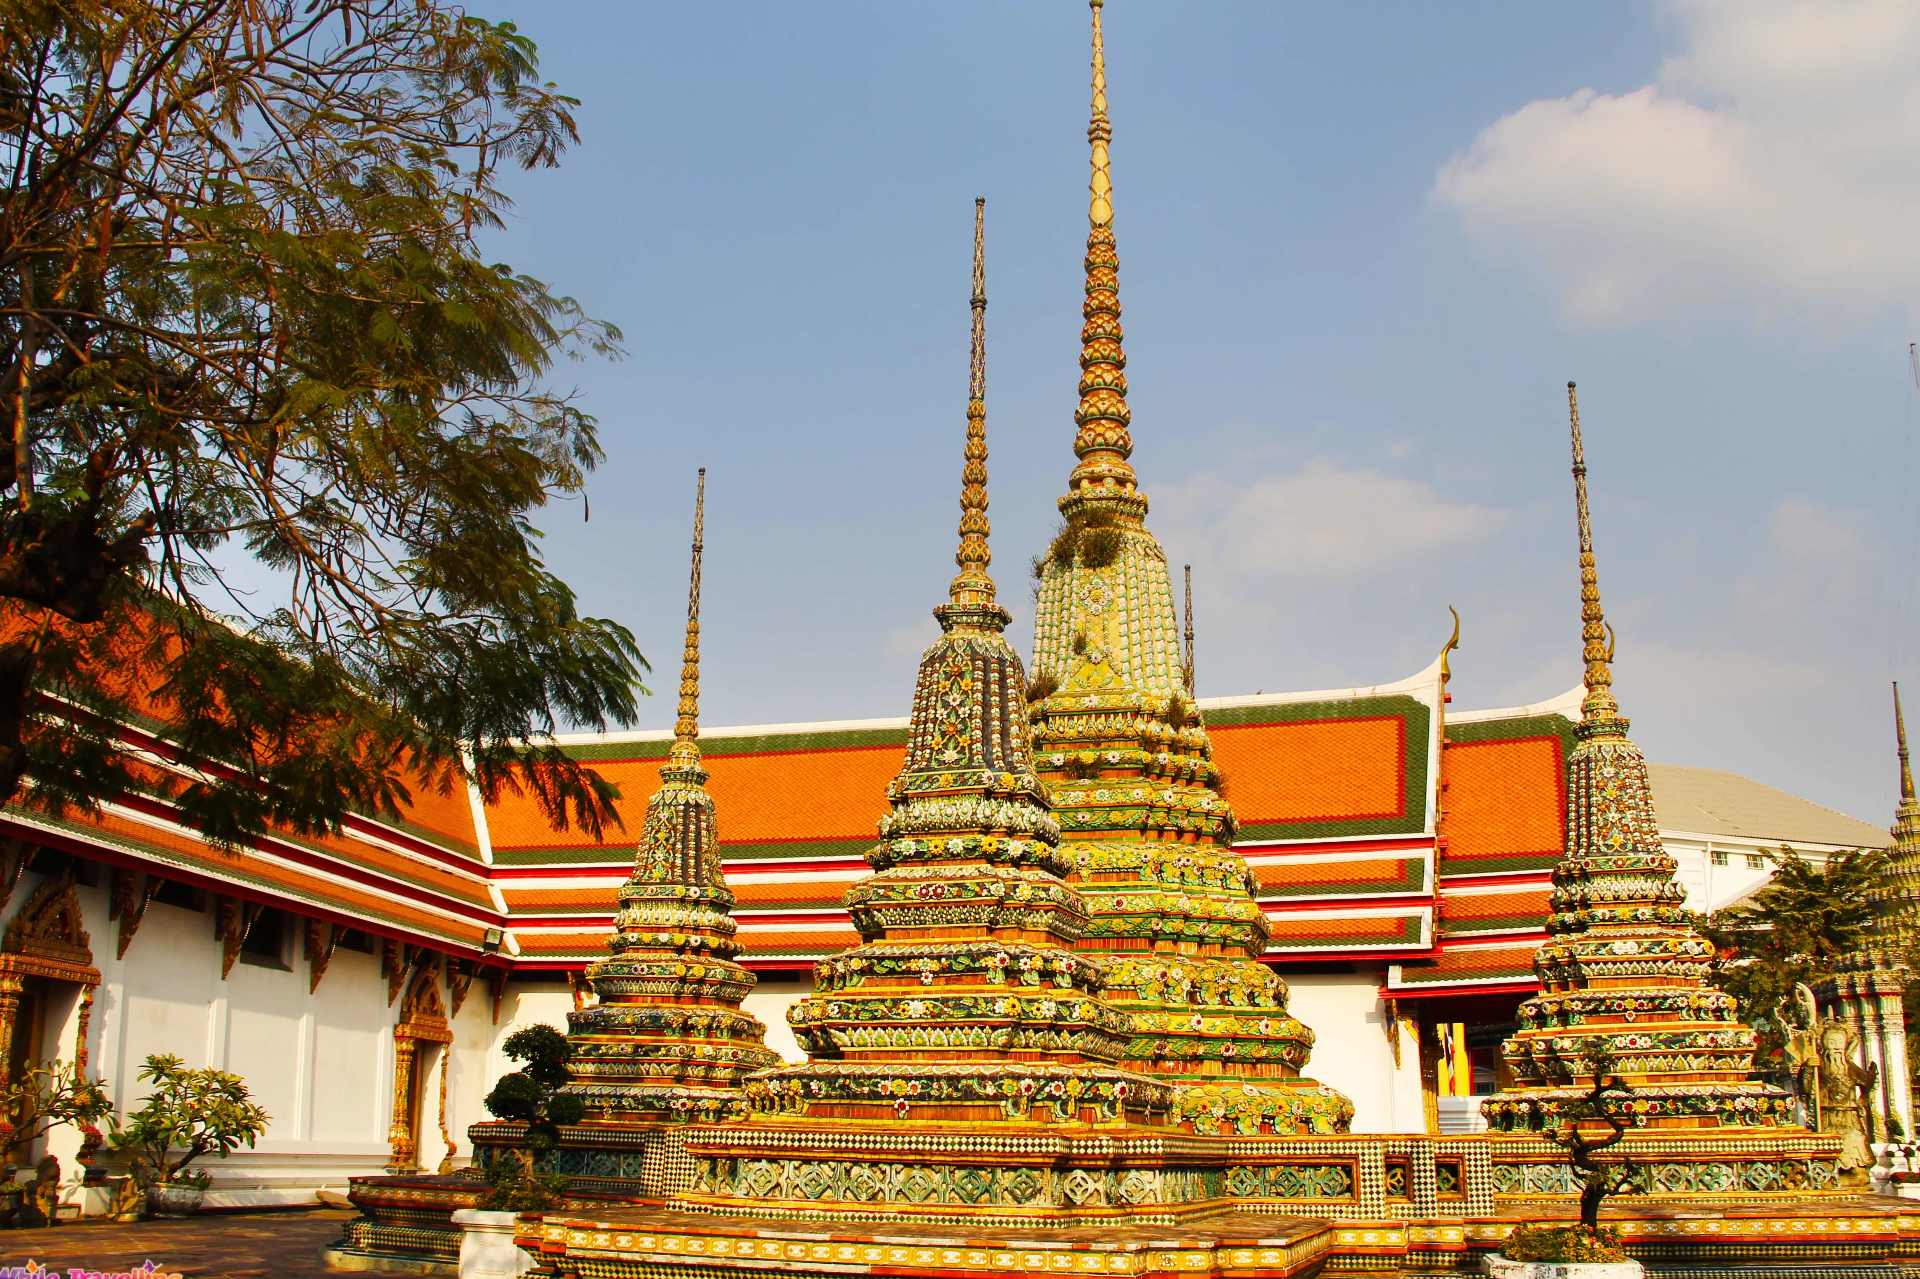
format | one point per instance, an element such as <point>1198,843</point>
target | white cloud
<point>1773,166</point>
<point>1326,520</point>
<point>1815,561</point>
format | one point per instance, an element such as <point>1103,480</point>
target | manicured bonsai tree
<point>531,1096</point>
<point>1577,1129</point>
<point>188,1114</point>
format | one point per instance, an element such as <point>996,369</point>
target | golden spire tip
<point>1595,634</point>
<point>1900,729</point>
<point>686,727</point>
<point>974,587</point>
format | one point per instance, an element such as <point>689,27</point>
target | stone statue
<point>1843,1089</point>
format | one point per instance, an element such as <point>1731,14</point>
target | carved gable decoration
<point>422,1014</point>
<point>49,927</point>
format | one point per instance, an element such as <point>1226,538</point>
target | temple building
<point>1336,945</point>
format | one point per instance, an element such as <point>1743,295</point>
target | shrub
<point>196,1112</point>
<point>531,1096</point>
<point>1563,1245</point>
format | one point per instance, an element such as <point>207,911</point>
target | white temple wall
<point>319,1061</point>
<point>1351,1051</point>
<point>769,1001</point>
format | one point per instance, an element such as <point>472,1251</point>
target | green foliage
<point>529,1096</point>
<point>193,1112</point>
<point>1092,539</point>
<point>516,1185</point>
<point>1042,686</point>
<point>245,315</point>
<point>49,1095</point>
<point>1563,1245</point>
<point>1790,931</point>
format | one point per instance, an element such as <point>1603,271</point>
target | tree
<point>531,1096</point>
<point>272,428</point>
<point>49,1095</point>
<point>1575,1129</point>
<point>1791,931</point>
<point>192,1112</point>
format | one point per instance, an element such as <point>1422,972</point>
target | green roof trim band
<point>714,746</point>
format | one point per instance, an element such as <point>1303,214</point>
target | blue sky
<point>1362,250</point>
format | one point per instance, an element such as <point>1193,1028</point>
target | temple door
<point>421,1035</point>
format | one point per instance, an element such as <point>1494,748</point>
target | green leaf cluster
<point>189,1113</point>
<point>273,428</point>
<point>1791,930</point>
<point>531,1096</point>
<point>49,1095</point>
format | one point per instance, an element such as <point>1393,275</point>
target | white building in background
<point>1721,828</point>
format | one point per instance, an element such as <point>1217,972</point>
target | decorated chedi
<point>965,1001</point>
<point>1125,754</point>
<point>1866,989</point>
<point>1623,973</point>
<point>667,1041</point>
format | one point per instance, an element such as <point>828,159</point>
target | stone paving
<point>214,1246</point>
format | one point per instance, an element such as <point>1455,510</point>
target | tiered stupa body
<point>667,1040</point>
<point>1868,987</point>
<point>1623,973</point>
<point>1122,746</point>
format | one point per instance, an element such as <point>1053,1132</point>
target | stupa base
<point>951,1174</point>
<point>1761,1238</point>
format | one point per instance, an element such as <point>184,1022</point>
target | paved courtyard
<point>208,1247</point>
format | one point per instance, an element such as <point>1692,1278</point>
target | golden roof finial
<point>973,588</point>
<point>1102,444</point>
<point>1900,727</point>
<point>1596,636</point>
<point>1453,642</point>
<point>686,728</point>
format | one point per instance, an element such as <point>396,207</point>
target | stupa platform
<point>654,1242</point>
<point>1868,1237</point>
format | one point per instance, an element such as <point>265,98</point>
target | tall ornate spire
<point>1896,897</point>
<point>973,588</point>
<point>1103,444</point>
<point>1906,767</point>
<point>1129,766</point>
<point>1596,636</point>
<point>1623,973</point>
<point>686,728</point>
<point>668,1042</point>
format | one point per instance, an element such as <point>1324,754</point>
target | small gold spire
<point>1900,727</point>
<point>1103,443</point>
<point>1099,133</point>
<point>686,728</point>
<point>973,588</point>
<point>1189,637</point>
<point>1596,636</point>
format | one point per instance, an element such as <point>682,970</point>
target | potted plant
<point>531,1096</point>
<point>51,1094</point>
<point>188,1114</point>
<point>1585,1127</point>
